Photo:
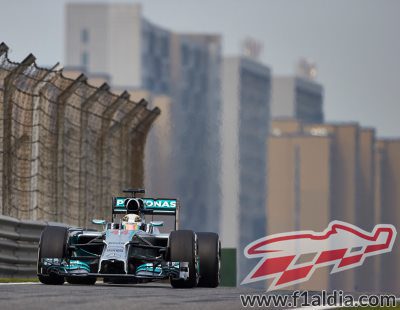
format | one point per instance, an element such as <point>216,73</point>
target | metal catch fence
<point>65,146</point>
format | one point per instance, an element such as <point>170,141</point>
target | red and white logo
<point>342,245</point>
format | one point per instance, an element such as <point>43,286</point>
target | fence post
<point>105,126</point>
<point>35,141</point>
<point>59,153</point>
<point>3,52</point>
<point>8,157</point>
<point>83,152</point>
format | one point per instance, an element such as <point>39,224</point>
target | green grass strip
<point>18,280</point>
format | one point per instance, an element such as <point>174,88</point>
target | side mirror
<point>99,222</point>
<point>157,223</point>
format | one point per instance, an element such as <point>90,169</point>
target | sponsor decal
<point>159,203</point>
<point>341,245</point>
<point>120,202</point>
<point>149,203</point>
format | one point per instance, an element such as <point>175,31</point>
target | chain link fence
<point>65,146</point>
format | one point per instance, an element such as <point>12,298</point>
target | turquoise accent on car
<point>99,222</point>
<point>157,223</point>
<point>65,266</point>
<point>76,264</point>
<point>149,268</point>
<point>119,204</point>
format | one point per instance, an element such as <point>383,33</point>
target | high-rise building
<point>137,54</point>
<point>297,97</point>
<point>299,181</point>
<point>117,40</point>
<point>195,78</point>
<point>387,202</point>
<point>324,172</point>
<point>345,193</point>
<point>366,218</point>
<point>246,88</point>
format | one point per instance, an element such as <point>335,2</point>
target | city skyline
<point>356,57</point>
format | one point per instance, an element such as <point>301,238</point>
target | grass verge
<point>18,280</point>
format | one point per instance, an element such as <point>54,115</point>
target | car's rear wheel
<point>209,258</point>
<point>81,280</point>
<point>52,244</point>
<point>183,248</point>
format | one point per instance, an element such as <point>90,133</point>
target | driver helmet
<point>131,222</point>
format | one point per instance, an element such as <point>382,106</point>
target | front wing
<point>149,271</point>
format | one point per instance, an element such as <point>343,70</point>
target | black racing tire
<point>183,248</point>
<point>209,259</point>
<point>52,244</point>
<point>81,280</point>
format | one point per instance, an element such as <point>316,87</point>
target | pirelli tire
<point>183,248</point>
<point>52,244</point>
<point>209,247</point>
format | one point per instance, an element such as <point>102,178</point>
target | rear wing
<point>147,206</point>
<point>156,206</point>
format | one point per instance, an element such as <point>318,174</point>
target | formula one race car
<point>131,249</point>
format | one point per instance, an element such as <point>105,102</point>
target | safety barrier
<point>18,246</point>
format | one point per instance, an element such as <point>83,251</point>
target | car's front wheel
<point>183,248</point>
<point>52,244</point>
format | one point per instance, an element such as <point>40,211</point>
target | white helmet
<point>131,219</point>
<point>131,222</point>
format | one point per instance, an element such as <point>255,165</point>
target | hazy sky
<point>355,43</point>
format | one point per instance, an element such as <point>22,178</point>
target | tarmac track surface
<point>155,296</point>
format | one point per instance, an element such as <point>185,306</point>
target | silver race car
<point>132,248</point>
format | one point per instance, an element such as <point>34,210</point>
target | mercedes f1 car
<point>130,249</point>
